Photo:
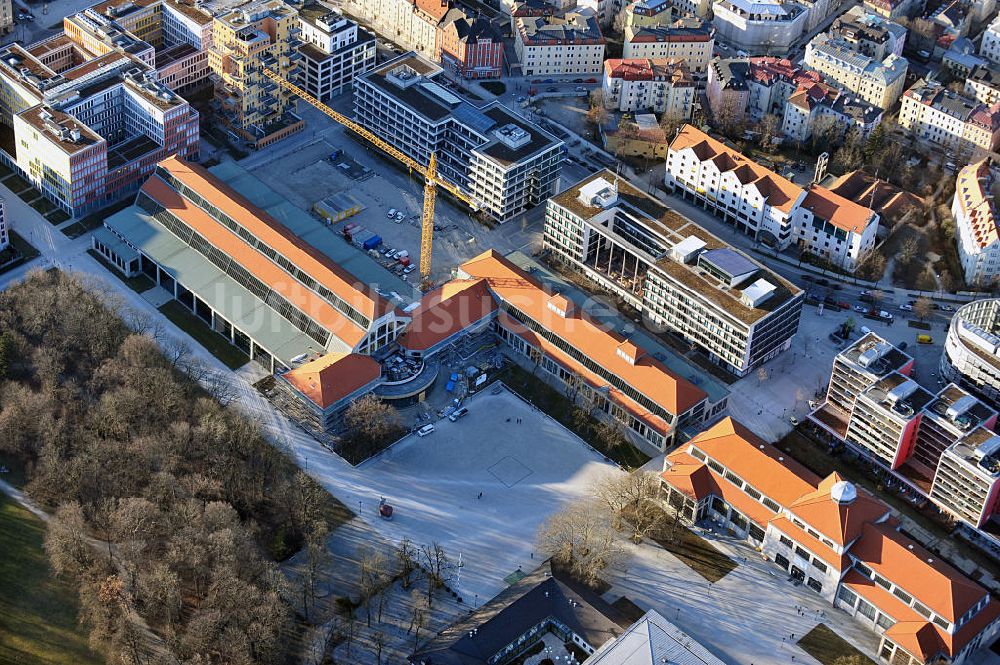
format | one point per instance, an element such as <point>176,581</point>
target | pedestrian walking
<point>480,495</point>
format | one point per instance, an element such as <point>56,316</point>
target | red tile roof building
<point>326,386</point>
<point>765,205</point>
<point>840,541</point>
<point>469,46</point>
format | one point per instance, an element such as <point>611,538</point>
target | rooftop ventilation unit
<point>512,136</point>
<point>961,405</point>
<point>870,356</point>
<point>598,193</point>
<point>687,250</point>
<point>403,76</point>
<point>757,293</point>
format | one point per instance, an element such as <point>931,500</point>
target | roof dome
<point>843,492</point>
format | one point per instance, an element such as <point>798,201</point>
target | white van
<point>425,430</point>
<point>865,330</point>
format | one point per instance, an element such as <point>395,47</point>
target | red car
<point>843,305</point>
<point>536,80</point>
<point>591,80</point>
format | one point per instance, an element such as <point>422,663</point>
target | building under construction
<point>505,163</point>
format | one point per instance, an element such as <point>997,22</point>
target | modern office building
<point>469,46</point>
<point>838,540</point>
<point>504,162</point>
<point>976,234</point>
<point>678,275</point>
<point>688,38</point>
<point>760,28</point>
<point>765,205</point>
<point>971,355</point>
<point>244,273</point>
<point>246,39</point>
<point>938,116</point>
<point>334,51</point>
<point>83,116</point>
<point>658,86</point>
<point>555,45</point>
<point>879,83</point>
<point>608,373</point>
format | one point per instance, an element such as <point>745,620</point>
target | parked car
<point>861,309</point>
<point>843,305</point>
<point>885,316</point>
<point>577,80</point>
<point>551,89</point>
<point>391,213</point>
<point>408,269</point>
<point>536,80</point>
<point>400,216</point>
<point>925,339</point>
<point>907,307</point>
<point>591,80</point>
<point>458,413</point>
<point>425,430</point>
<point>580,88</point>
<point>549,81</point>
<point>947,308</point>
<point>794,421</point>
<point>520,98</point>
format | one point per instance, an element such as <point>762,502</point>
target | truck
<point>372,243</point>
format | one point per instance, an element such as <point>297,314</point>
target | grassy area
<point>559,406</point>
<point>139,283</point>
<point>827,646</point>
<point>495,87</point>
<point>96,219</point>
<point>37,612</point>
<point>43,206</point>
<point>199,331</point>
<point>696,553</point>
<point>629,610</point>
<point>57,217</point>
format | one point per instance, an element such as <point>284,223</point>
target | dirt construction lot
<point>306,175</point>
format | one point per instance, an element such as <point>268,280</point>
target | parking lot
<point>525,465</point>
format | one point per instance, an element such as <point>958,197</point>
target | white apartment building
<point>967,480</point>
<point>983,84</point>
<point>815,101</point>
<point>760,27</point>
<point>762,204</point>
<point>334,51</point>
<point>990,46</point>
<point>971,355</point>
<point>878,83</point>
<point>410,23</point>
<point>976,232</point>
<point>660,86</point>
<point>4,226</point>
<point>502,161</point>
<point>679,276</point>
<point>556,45</point>
<point>950,120</point>
<point>690,39</point>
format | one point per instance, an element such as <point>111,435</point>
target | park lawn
<point>199,331</point>
<point>697,554</point>
<point>827,646</point>
<point>37,611</point>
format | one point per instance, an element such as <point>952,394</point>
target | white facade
<point>4,226</point>
<point>976,235</point>
<point>761,28</point>
<point>411,25</point>
<point>942,117</point>
<point>645,85</point>
<point>971,355</point>
<point>878,83</point>
<point>551,45</point>
<point>335,52</point>
<point>990,47</point>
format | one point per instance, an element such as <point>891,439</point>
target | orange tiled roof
<point>780,192</point>
<point>648,375</point>
<point>275,234</point>
<point>332,377</point>
<point>443,312</point>
<point>934,583</point>
<point>435,8</point>
<point>695,479</point>
<point>834,208</point>
<point>756,461</point>
<point>975,199</point>
<point>840,523</point>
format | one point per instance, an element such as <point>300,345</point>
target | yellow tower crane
<point>431,179</point>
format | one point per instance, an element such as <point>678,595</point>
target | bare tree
<point>419,612</point>
<point>926,280</point>
<point>371,578</point>
<point>371,418</point>
<point>620,20</point>
<point>317,557</point>
<point>670,123</point>
<point>66,540</point>
<point>436,563</point>
<point>907,249</point>
<point>923,307</point>
<point>598,113</point>
<point>378,641</point>
<point>406,558</point>
<point>581,539</point>
<point>761,375</point>
<point>769,127</point>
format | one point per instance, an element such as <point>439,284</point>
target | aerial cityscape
<point>499,332</point>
